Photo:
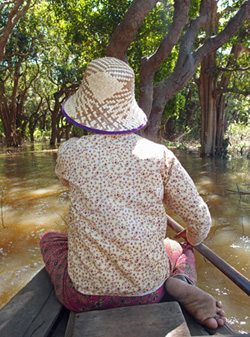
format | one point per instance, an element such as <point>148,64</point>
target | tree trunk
<point>207,92</point>
<point>207,86</point>
<point>221,99</point>
<point>12,106</point>
<point>59,96</point>
<point>12,137</point>
<point>9,126</point>
<point>9,111</point>
<point>220,144</point>
<point>212,100</point>
<point>54,130</point>
<point>67,131</point>
<point>125,33</point>
<point>55,117</point>
<point>32,135</point>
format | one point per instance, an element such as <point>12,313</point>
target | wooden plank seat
<point>166,319</point>
<point>135,321</point>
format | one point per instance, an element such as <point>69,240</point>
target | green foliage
<point>37,133</point>
<point>172,110</point>
<point>237,110</point>
<point>89,24</point>
<point>2,136</point>
<point>167,67</point>
<point>78,132</point>
<point>194,8</point>
<point>238,135</point>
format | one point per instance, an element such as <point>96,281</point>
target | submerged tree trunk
<point>212,100</point>
<point>54,119</point>
<point>56,113</point>
<point>9,110</point>
<point>9,126</point>
<point>221,143</point>
<point>207,86</point>
<point>12,138</point>
<point>221,126</point>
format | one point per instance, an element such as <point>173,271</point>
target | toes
<point>210,323</point>
<point>221,313</point>
<point>214,322</point>
<point>218,304</point>
<point>221,321</point>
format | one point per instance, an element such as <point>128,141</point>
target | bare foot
<point>202,306</point>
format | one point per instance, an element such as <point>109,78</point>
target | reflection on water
<point>34,202</point>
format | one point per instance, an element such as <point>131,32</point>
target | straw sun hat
<point>105,101</point>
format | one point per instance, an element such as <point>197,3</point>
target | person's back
<point>116,193</point>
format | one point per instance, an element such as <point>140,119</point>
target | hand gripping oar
<point>240,280</point>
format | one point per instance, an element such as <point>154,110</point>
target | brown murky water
<point>34,202</point>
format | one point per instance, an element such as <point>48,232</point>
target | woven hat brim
<point>69,109</point>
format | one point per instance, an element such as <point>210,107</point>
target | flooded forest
<point>33,202</point>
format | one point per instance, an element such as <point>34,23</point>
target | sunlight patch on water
<point>44,192</point>
<point>205,185</point>
<point>15,194</point>
<point>37,218</point>
<point>241,324</point>
<point>242,243</point>
<point>222,237</point>
<point>245,222</point>
<point>20,253</point>
<point>240,178</point>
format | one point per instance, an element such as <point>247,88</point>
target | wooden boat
<point>35,312</point>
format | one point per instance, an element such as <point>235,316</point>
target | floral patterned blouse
<point>118,185</point>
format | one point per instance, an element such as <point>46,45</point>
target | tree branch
<point>15,14</point>
<point>233,69</point>
<point>16,53</point>
<point>213,43</point>
<point>236,91</point>
<point>187,45</point>
<point>125,33</point>
<point>180,19</point>
<point>149,65</point>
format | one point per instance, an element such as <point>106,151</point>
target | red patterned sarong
<point>54,247</point>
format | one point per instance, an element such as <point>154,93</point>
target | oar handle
<point>240,280</point>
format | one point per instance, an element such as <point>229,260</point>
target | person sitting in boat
<point>115,253</point>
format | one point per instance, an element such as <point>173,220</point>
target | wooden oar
<point>240,280</point>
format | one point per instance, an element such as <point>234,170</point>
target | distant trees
<point>17,73</point>
<point>31,71</point>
